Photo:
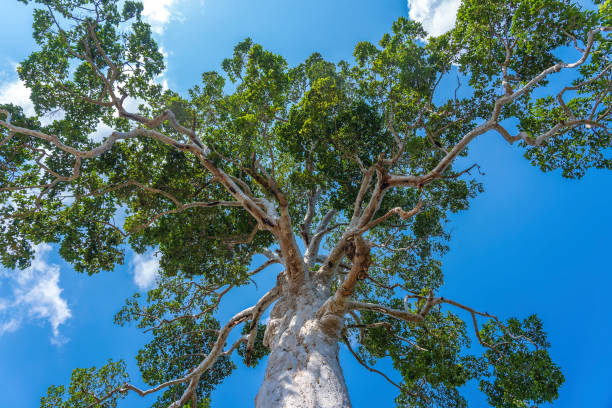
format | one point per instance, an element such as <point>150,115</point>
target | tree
<point>341,173</point>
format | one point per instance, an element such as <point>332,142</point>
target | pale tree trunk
<point>303,369</point>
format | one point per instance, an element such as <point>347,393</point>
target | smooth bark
<point>303,368</point>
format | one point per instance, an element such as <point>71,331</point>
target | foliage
<point>87,386</point>
<point>211,178</point>
<point>521,375</point>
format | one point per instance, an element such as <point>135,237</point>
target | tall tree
<point>340,173</point>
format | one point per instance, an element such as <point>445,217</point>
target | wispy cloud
<point>158,13</point>
<point>437,16</point>
<point>9,326</point>
<point>146,269</point>
<point>36,295</point>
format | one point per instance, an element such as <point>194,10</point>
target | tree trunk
<point>303,369</point>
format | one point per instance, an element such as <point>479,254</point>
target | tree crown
<point>355,158</point>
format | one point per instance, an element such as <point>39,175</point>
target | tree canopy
<point>343,173</point>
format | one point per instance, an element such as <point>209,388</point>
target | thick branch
<point>359,271</point>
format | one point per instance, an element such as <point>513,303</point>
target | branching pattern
<point>361,154</point>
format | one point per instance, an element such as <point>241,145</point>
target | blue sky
<point>531,243</point>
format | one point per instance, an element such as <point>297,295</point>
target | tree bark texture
<point>303,368</point>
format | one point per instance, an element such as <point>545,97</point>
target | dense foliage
<point>317,139</point>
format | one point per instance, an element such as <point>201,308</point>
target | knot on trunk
<point>332,325</point>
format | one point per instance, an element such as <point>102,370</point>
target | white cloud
<point>15,92</point>
<point>437,16</point>
<point>164,52</point>
<point>158,13</point>
<point>10,326</point>
<point>102,132</point>
<point>145,270</point>
<point>36,295</point>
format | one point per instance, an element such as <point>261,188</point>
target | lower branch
<point>474,313</point>
<point>217,351</point>
<point>389,327</point>
<point>367,367</point>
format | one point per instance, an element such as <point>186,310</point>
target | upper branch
<point>492,122</point>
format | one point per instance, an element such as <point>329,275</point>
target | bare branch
<point>365,184</point>
<point>237,343</point>
<point>373,370</point>
<point>404,215</point>
<point>398,314</point>
<point>389,327</point>
<point>313,247</point>
<point>312,198</point>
